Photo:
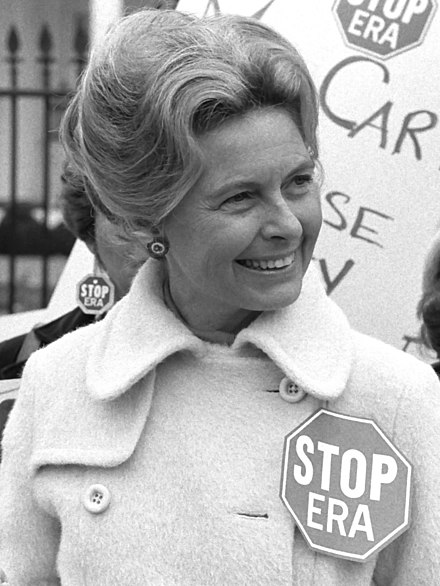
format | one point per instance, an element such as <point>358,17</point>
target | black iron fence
<point>30,228</point>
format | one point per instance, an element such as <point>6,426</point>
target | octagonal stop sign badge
<point>346,485</point>
<point>384,28</point>
<point>95,294</point>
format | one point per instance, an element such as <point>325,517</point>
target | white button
<point>96,498</point>
<point>290,391</point>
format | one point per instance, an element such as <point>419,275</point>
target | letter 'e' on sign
<point>95,294</point>
<point>346,485</point>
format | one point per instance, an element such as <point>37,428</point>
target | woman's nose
<point>280,221</point>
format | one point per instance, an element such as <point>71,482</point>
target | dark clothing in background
<point>15,351</point>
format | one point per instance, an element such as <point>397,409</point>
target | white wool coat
<point>186,437</point>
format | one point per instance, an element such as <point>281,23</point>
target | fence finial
<point>13,41</point>
<point>45,42</point>
<point>80,44</point>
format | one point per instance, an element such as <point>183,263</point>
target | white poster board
<point>376,64</point>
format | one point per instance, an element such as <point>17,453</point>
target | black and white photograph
<point>219,293</point>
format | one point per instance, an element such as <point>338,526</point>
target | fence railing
<point>26,226</point>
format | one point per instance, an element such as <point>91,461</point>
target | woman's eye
<point>299,185</point>
<point>301,180</point>
<point>237,198</point>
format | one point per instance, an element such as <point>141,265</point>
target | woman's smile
<point>268,265</point>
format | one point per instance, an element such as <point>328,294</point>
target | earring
<point>158,247</point>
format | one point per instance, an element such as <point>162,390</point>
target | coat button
<point>290,391</point>
<point>96,498</point>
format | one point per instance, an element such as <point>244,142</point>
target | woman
<point>159,460</point>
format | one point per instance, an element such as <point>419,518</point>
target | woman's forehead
<point>265,141</point>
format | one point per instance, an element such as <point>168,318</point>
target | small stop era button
<point>290,391</point>
<point>96,499</point>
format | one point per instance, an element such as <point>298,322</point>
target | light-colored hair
<point>159,81</point>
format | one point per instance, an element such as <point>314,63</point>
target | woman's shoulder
<point>382,359</point>
<point>396,390</point>
<point>387,383</point>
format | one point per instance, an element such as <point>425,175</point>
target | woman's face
<point>242,239</point>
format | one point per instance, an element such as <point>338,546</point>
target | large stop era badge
<point>346,485</point>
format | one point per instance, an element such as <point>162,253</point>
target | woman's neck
<point>200,318</point>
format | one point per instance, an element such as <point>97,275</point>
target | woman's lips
<point>268,265</point>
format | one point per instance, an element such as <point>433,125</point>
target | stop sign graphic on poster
<point>384,28</point>
<point>346,485</point>
<point>95,294</point>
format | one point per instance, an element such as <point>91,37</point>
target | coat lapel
<point>136,336</point>
<point>310,341</point>
<point>81,430</point>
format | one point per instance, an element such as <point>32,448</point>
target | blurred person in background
<point>428,309</point>
<point>147,448</point>
<point>96,231</point>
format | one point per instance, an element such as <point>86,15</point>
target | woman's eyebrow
<point>303,166</point>
<point>234,185</point>
<point>306,165</point>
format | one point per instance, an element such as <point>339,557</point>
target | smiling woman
<point>242,239</point>
<point>147,448</point>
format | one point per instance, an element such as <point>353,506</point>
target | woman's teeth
<point>264,265</point>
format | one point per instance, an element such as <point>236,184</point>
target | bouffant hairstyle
<point>428,308</point>
<point>160,80</point>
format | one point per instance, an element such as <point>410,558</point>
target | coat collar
<point>310,340</point>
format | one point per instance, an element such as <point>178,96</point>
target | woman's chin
<point>269,290</point>
<point>275,300</point>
